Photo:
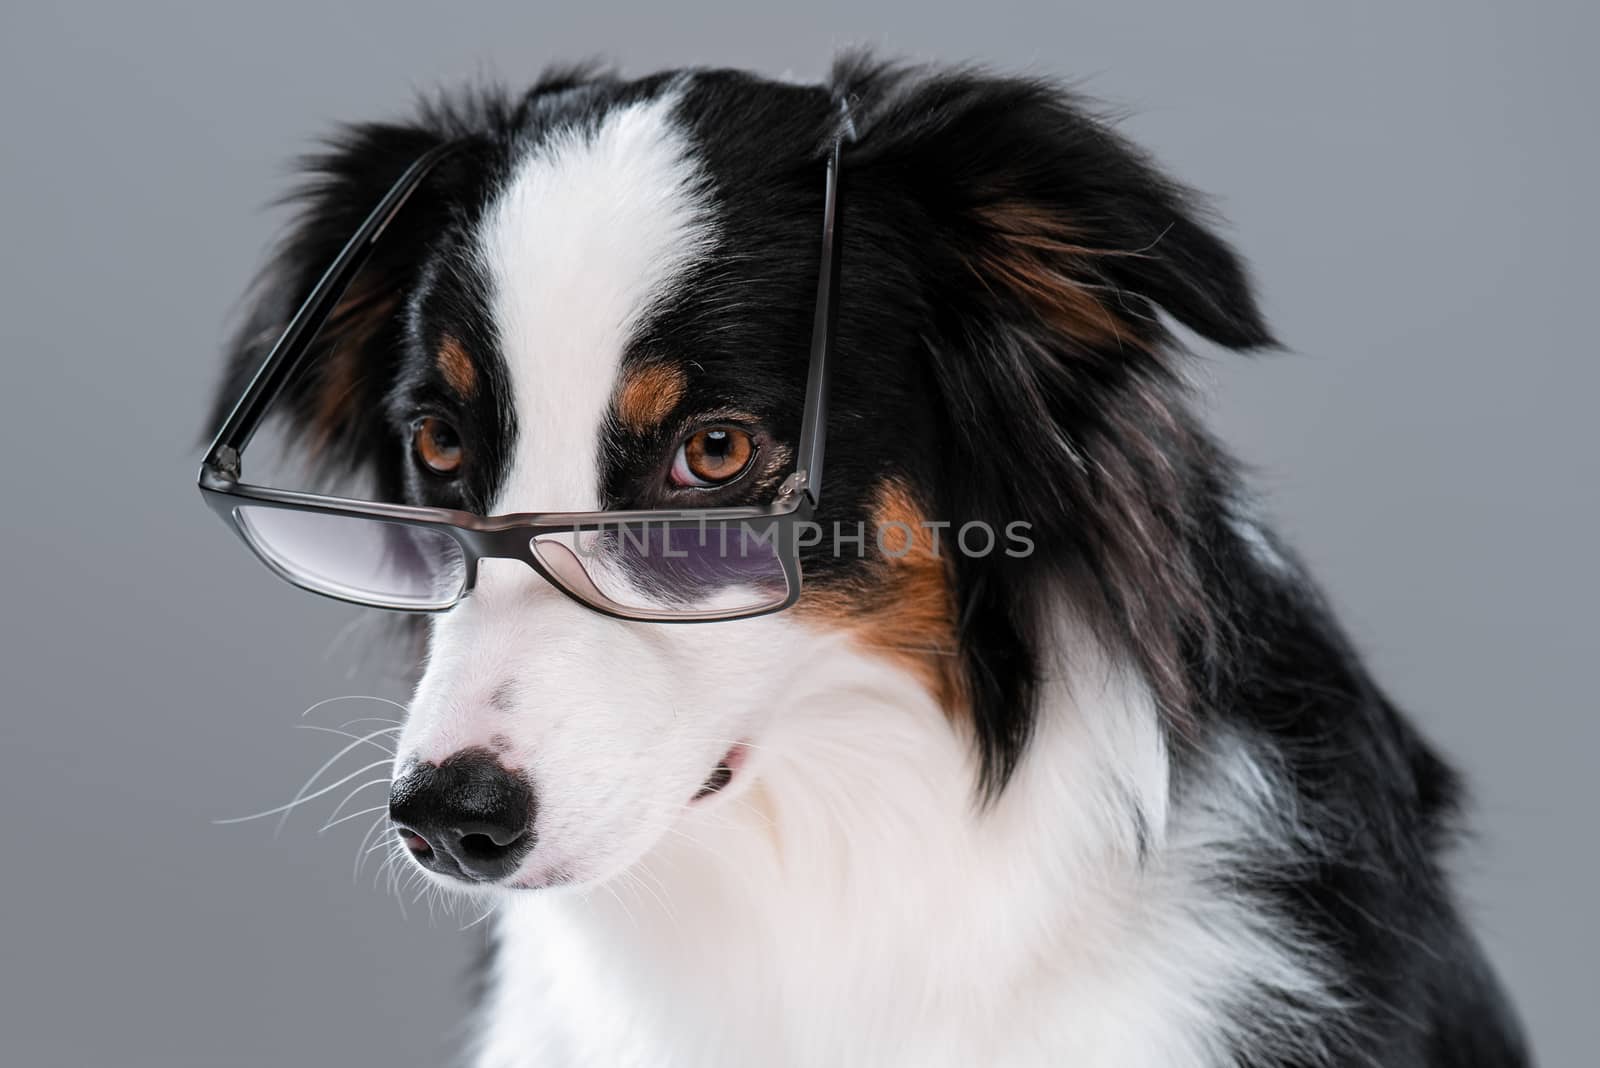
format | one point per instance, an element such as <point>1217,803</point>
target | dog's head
<point>605,301</point>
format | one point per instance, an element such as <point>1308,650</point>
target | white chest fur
<point>852,904</point>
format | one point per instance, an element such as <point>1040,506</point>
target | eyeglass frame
<point>511,536</point>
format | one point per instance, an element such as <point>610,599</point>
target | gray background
<point>1406,179</point>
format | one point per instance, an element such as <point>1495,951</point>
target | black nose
<point>468,817</point>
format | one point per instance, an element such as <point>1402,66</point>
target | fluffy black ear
<point>334,406</point>
<point>1051,207</point>
<point>1046,248</point>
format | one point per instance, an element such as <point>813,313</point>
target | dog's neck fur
<point>854,904</point>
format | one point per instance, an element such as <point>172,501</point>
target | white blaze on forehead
<point>591,230</point>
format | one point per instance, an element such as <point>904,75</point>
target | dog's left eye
<point>437,445</point>
<point>713,456</point>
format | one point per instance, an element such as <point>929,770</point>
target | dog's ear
<point>1049,209</point>
<point>1045,248</point>
<point>334,409</point>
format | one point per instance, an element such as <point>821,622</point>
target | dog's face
<point>574,348</point>
<point>606,303</point>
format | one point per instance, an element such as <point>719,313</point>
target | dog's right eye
<point>437,445</point>
<point>712,456</point>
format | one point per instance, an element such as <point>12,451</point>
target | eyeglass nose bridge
<point>507,543</point>
<point>547,557</point>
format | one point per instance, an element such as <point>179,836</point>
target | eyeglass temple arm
<point>289,351</point>
<point>813,432</point>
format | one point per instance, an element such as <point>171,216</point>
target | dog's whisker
<point>636,879</point>
<point>362,850</point>
<point>709,814</point>
<point>355,697</point>
<point>333,817</point>
<point>379,845</point>
<point>366,739</point>
<point>384,869</point>
<point>608,888</point>
<point>429,897</point>
<point>347,724</point>
<point>490,911</point>
<point>370,739</point>
<point>356,815</point>
<point>392,867</point>
<point>764,817</point>
<point>403,875</point>
<point>299,800</point>
<point>378,876</point>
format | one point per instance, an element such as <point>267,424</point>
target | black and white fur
<point>1161,815</point>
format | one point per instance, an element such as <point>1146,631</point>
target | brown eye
<point>437,445</point>
<point>712,457</point>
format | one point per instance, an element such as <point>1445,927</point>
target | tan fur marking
<point>362,312</point>
<point>457,367</point>
<point>1034,256</point>
<point>647,395</point>
<point>903,607</point>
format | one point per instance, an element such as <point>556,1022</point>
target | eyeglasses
<point>694,565</point>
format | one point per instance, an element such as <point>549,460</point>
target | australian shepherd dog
<point>1059,758</point>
